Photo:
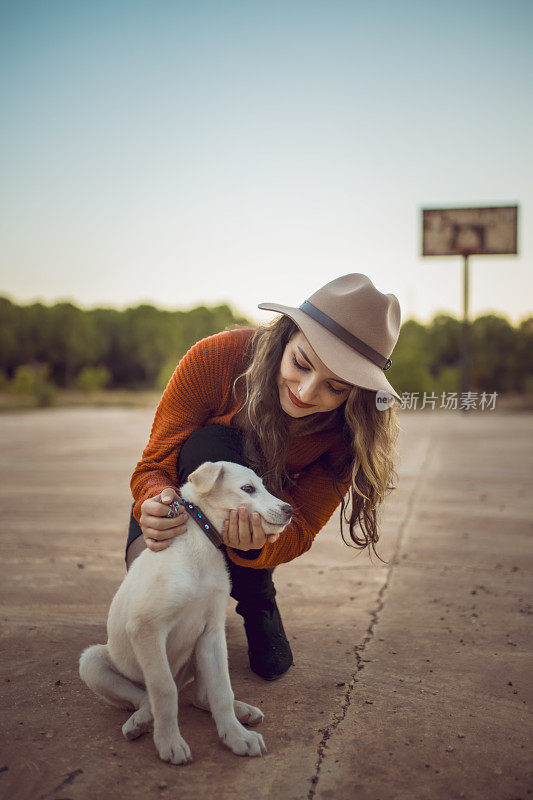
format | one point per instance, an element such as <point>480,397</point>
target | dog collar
<point>199,517</point>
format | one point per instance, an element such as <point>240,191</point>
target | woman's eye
<point>335,391</point>
<point>297,364</point>
<point>248,488</point>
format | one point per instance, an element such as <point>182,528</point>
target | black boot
<point>268,648</point>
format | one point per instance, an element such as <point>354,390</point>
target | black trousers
<point>252,588</point>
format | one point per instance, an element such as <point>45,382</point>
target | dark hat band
<point>345,336</point>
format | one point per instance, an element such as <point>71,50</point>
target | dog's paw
<point>140,722</point>
<point>175,750</point>
<point>243,742</point>
<point>248,715</point>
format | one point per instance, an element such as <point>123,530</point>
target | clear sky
<point>203,152</point>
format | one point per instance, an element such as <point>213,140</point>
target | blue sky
<point>204,152</point>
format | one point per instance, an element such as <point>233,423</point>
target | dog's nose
<point>287,509</point>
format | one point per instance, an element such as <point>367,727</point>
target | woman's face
<point>305,384</point>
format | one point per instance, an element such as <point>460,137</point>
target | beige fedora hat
<point>352,327</point>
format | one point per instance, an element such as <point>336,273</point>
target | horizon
<point>238,313</point>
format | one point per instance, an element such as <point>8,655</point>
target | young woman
<point>298,402</point>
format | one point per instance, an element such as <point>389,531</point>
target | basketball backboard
<point>469,231</point>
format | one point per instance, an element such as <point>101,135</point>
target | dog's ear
<point>204,478</point>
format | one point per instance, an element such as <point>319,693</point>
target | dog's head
<point>220,486</point>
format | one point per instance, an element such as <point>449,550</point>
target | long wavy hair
<point>369,436</point>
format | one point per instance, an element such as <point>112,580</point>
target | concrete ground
<point>411,678</point>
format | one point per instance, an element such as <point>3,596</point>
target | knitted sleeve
<point>201,385</point>
<point>314,499</point>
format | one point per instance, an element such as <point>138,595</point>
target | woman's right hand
<point>158,529</point>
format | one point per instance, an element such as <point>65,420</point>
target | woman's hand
<point>245,533</point>
<point>159,530</point>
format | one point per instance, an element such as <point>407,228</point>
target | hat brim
<point>340,358</point>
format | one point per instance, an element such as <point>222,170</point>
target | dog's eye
<point>248,488</point>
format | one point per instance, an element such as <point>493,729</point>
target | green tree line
<point>427,357</point>
<point>139,347</point>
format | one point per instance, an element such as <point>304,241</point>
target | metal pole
<point>465,344</point>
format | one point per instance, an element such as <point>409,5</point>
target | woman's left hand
<point>245,532</point>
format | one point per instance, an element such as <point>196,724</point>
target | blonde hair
<point>369,436</point>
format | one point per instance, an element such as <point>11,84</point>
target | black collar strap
<point>199,517</point>
<point>345,336</point>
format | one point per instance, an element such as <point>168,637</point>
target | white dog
<point>168,617</point>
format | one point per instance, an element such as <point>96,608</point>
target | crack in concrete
<point>359,649</point>
<point>68,780</point>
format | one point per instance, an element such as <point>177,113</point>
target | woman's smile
<point>298,402</point>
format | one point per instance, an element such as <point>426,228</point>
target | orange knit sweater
<point>200,393</point>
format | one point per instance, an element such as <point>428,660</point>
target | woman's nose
<point>307,390</point>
